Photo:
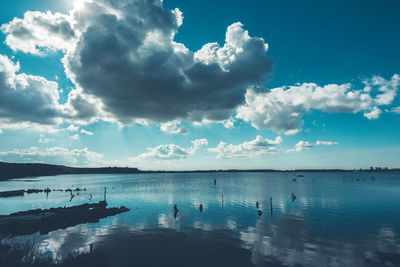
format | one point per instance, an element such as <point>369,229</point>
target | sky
<point>184,85</point>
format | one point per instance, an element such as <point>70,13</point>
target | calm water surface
<point>335,220</point>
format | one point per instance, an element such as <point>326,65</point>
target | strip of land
<point>47,220</point>
<point>23,170</point>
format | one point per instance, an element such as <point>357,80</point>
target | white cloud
<point>54,155</point>
<point>198,143</point>
<point>228,124</point>
<point>373,114</point>
<point>387,88</point>
<point>304,145</point>
<point>292,132</point>
<point>27,126</point>
<point>325,143</point>
<point>136,44</point>
<point>38,31</point>
<point>135,41</point>
<point>256,147</point>
<point>301,146</point>
<point>84,109</point>
<point>73,128</point>
<point>86,132</point>
<point>74,137</point>
<point>396,110</point>
<point>117,44</point>
<point>163,152</point>
<point>281,109</point>
<point>43,139</point>
<point>27,99</point>
<point>171,151</point>
<point>172,127</point>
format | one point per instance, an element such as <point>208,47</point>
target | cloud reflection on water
<point>331,223</point>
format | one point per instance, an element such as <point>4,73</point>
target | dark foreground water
<point>338,219</point>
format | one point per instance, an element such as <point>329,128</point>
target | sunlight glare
<point>79,4</point>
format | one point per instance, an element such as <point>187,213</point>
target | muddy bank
<point>47,220</point>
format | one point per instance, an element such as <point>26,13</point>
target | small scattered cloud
<point>73,128</point>
<point>43,139</point>
<point>325,143</point>
<point>395,110</point>
<point>304,145</point>
<point>28,126</point>
<point>171,151</point>
<point>172,127</point>
<point>301,146</point>
<point>229,124</point>
<point>165,152</point>
<point>292,132</point>
<point>256,147</point>
<point>83,131</point>
<point>74,137</point>
<point>373,114</point>
<point>198,143</point>
<point>54,155</point>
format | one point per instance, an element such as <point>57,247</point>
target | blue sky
<point>211,84</point>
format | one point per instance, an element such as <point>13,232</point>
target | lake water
<point>334,221</point>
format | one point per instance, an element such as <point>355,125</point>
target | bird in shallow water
<point>175,211</point>
<point>293,197</point>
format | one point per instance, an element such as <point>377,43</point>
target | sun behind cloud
<point>79,4</point>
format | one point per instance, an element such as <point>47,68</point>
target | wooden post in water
<point>222,196</point>
<point>270,204</point>
<point>105,194</point>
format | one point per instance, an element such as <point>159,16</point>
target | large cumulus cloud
<point>27,98</point>
<point>126,56</point>
<point>126,67</point>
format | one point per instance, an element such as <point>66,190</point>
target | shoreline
<point>10,171</point>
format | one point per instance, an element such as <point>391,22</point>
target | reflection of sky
<point>333,221</point>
